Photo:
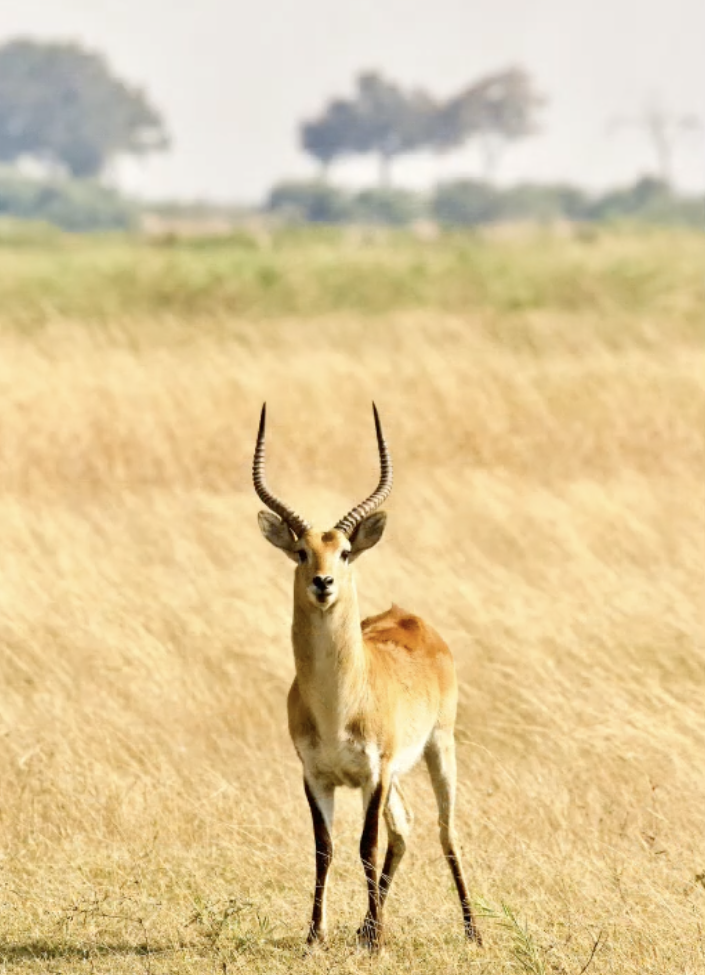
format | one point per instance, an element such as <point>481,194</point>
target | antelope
<point>369,698</point>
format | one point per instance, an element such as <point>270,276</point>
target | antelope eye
<point>302,555</point>
<point>345,555</point>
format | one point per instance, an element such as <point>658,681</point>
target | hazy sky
<point>233,78</point>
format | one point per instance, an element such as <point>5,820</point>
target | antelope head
<point>323,559</point>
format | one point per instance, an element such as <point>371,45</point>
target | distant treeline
<point>470,202</point>
<point>84,205</point>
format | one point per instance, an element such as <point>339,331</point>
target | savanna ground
<point>544,399</point>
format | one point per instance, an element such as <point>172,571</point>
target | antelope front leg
<point>370,932</point>
<point>320,799</point>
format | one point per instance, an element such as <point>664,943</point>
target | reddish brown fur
<point>408,661</point>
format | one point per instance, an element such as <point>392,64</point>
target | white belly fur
<point>341,762</point>
<point>405,760</point>
<point>353,763</point>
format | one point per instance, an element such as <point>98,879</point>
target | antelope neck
<point>330,657</point>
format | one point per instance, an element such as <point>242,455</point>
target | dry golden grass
<point>548,517</point>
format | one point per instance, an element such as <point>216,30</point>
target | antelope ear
<point>367,533</point>
<point>278,533</point>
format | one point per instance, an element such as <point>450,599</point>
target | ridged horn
<point>275,504</point>
<point>383,490</point>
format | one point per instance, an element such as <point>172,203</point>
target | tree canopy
<point>381,119</point>
<point>330,136</point>
<point>495,111</point>
<point>61,106</point>
<point>385,120</point>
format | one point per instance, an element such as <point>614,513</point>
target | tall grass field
<point>543,395</point>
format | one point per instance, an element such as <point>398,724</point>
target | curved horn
<point>384,488</point>
<point>275,504</point>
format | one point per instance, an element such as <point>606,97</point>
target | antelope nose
<point>323,582</point>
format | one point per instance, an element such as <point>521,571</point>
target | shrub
<point>651,200</point>
<point>466,202</point>
<point>73,205</point>
<point>313,202</point>
<point>395,208</point>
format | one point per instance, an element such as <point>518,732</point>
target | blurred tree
<point>388,207</point>
<point>331,135</point>
<point>74,205</point>
<point>61,106</point>
<point>649,196</point>
<point>312,202</point>
<point>466,202</point>
<point>391,122</point>
<point>664,130</point>
<point>381,119</point>
<point>495,111</point>
<point>544,202</point>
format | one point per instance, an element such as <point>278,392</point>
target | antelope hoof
<point>472,934</point>
<point>316,936</point>
<point>369,934</point>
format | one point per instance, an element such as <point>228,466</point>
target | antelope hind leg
<point>398,818</point>
<point>440,761</point>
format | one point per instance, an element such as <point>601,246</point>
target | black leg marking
<point>324,855</point>
<point>371,930</point>
<point>471,931</point>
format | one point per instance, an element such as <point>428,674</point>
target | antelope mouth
<point>323,599</point>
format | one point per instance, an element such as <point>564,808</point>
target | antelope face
<point>323,559</point>
<point>323,567</point>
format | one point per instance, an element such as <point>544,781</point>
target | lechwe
<point>368,700</point>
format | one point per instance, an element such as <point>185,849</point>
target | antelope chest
<point>341,761</point>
